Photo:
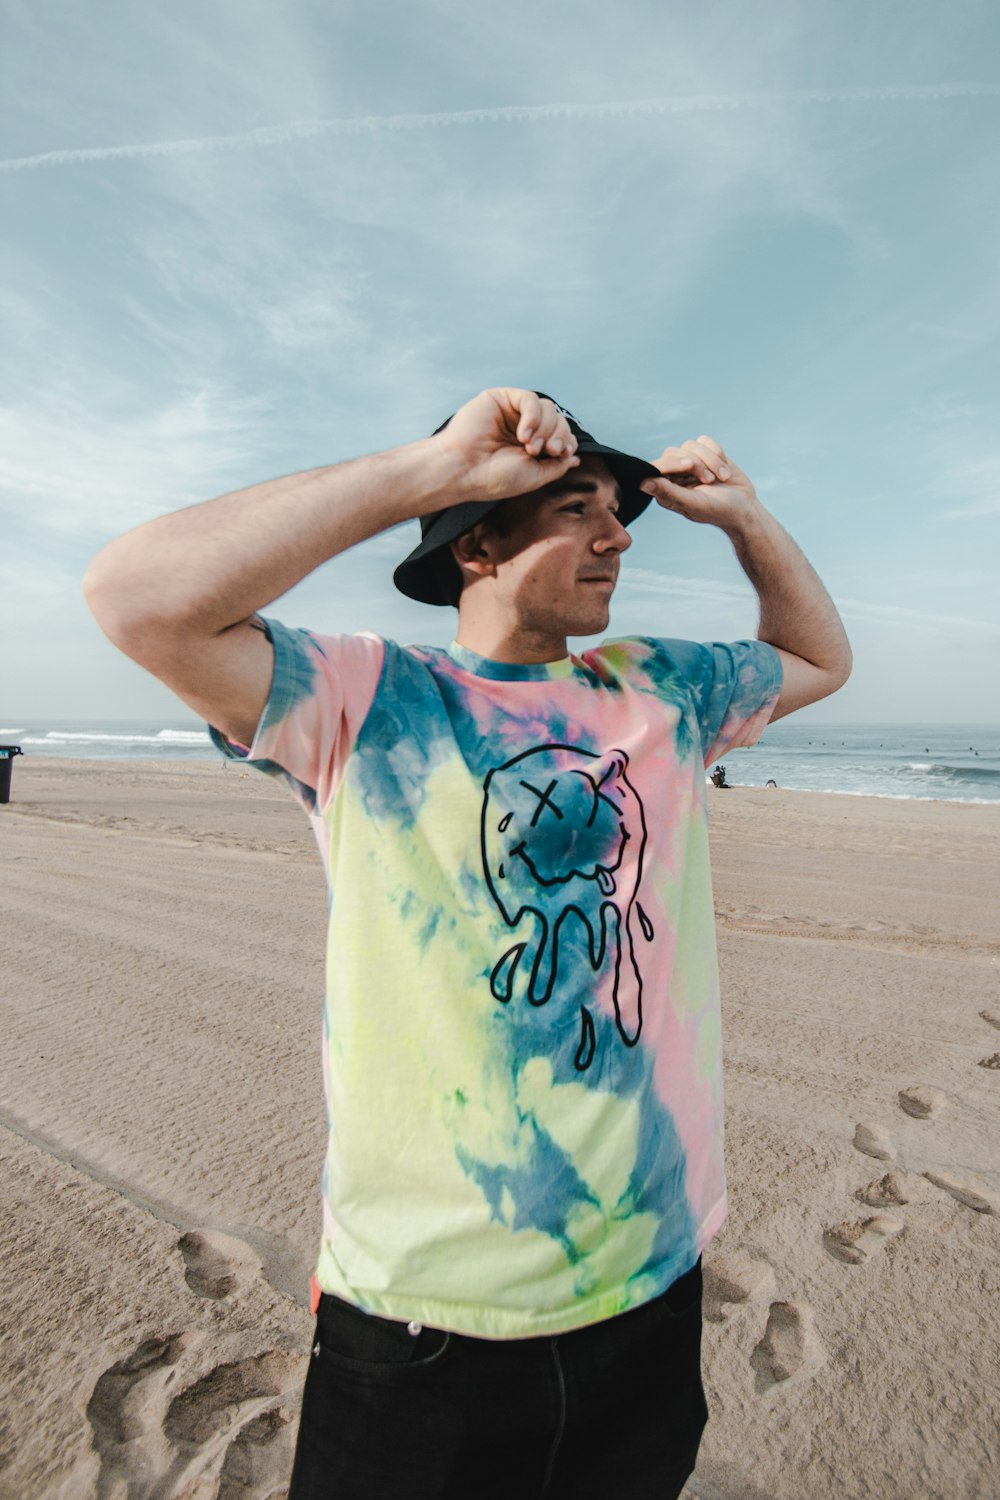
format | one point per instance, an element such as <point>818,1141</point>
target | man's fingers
<point>708,452</point>
<point>544,430</point>
<point>687,481</point>
<point>537,424</point>
<point>661,488</point>
<point>531,411</point>
<point>560,440</point>
<point>548,433</point>
<point>706,463</point>
<point>563,436</point>
<point>698,461</point>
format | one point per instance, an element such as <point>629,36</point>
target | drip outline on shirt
<point>563,833</point>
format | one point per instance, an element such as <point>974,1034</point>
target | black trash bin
<point>7,753</point>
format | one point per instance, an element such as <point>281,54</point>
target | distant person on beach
<point>522,1043</point>
<point>718,777</point>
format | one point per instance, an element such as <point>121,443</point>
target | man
<point>522,1043</point>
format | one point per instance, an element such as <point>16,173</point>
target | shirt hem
<point>499,1324</point>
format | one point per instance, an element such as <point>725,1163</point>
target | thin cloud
<point>979,481</point>
<point>644,581</point>
<point>895,614</point>
<point>974,481</point>
<point>506,114</point>
<point>711,590</point>
<point>73,472</point>
<point>988,507</point>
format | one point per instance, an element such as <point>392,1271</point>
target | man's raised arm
<point>179,593</point>
<point>797,615</point>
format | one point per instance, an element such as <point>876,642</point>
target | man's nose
<point>614,538</point>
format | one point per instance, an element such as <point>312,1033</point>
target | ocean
<point>937,762</point>
<point>929,762</point>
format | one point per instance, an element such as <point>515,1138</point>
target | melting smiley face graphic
<point>563,835</point>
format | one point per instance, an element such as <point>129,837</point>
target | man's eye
<point>576,505</point>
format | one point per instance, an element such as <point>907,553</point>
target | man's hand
<point>507,442</point>
<point>797,615</point>
<point>702,484</point>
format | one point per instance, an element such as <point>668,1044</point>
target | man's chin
<point>591,622</point>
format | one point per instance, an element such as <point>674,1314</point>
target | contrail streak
<point>711,590</point>
<point>505,114</point>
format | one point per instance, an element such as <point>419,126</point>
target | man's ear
<point>471,552</point>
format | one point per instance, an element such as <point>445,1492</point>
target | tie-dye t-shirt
<point>522,1040</point>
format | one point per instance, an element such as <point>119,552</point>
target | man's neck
<point>517,644</point>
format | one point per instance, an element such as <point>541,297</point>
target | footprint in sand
<point>231,1430</point>
<point>972,1194</point>
<point>236,1420</point>
<point>790,1344</point>
<point>122,1413</point>
<point>209,1406</point>
<point>922,1102</point>
<point>895,1188</point>
<point>215,1264</point>
<point>856,1240</point>
<point>872,1140</point>
<point>259,1460</point>
<point>992,1016</point>
<point>990,1062</point>
<point>734,1279</point>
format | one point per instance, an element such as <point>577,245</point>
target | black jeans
<point>393,1411</point>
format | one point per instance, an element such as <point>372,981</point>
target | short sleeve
<point>739,697</point>
<point>731,687</point>
<point>321,690</point>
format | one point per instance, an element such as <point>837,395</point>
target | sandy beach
<point>161,1125</point>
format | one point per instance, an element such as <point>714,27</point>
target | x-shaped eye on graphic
<point>546,800</point>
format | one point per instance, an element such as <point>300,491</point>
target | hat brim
<point>419,576</point>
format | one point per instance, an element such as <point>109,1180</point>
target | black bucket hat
<point>431,575</point>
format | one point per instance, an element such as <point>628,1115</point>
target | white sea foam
<point>91,737</point>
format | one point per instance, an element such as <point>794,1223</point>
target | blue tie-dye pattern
<point>406,736</point>
<point>293,679</point>
<point>418,716</point>
<point>305,794</point>
<point>709,678</point>
<point>679,683</point>
<point>543,1191</point>
<point>294,670</point>
<point>546,1189</point>
<point>420,713</point>
<point>496,671</point>
<point>519,731</point>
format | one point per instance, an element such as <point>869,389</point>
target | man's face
<point>557,553</point>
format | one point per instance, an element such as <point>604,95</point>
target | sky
<point>245,239</point>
